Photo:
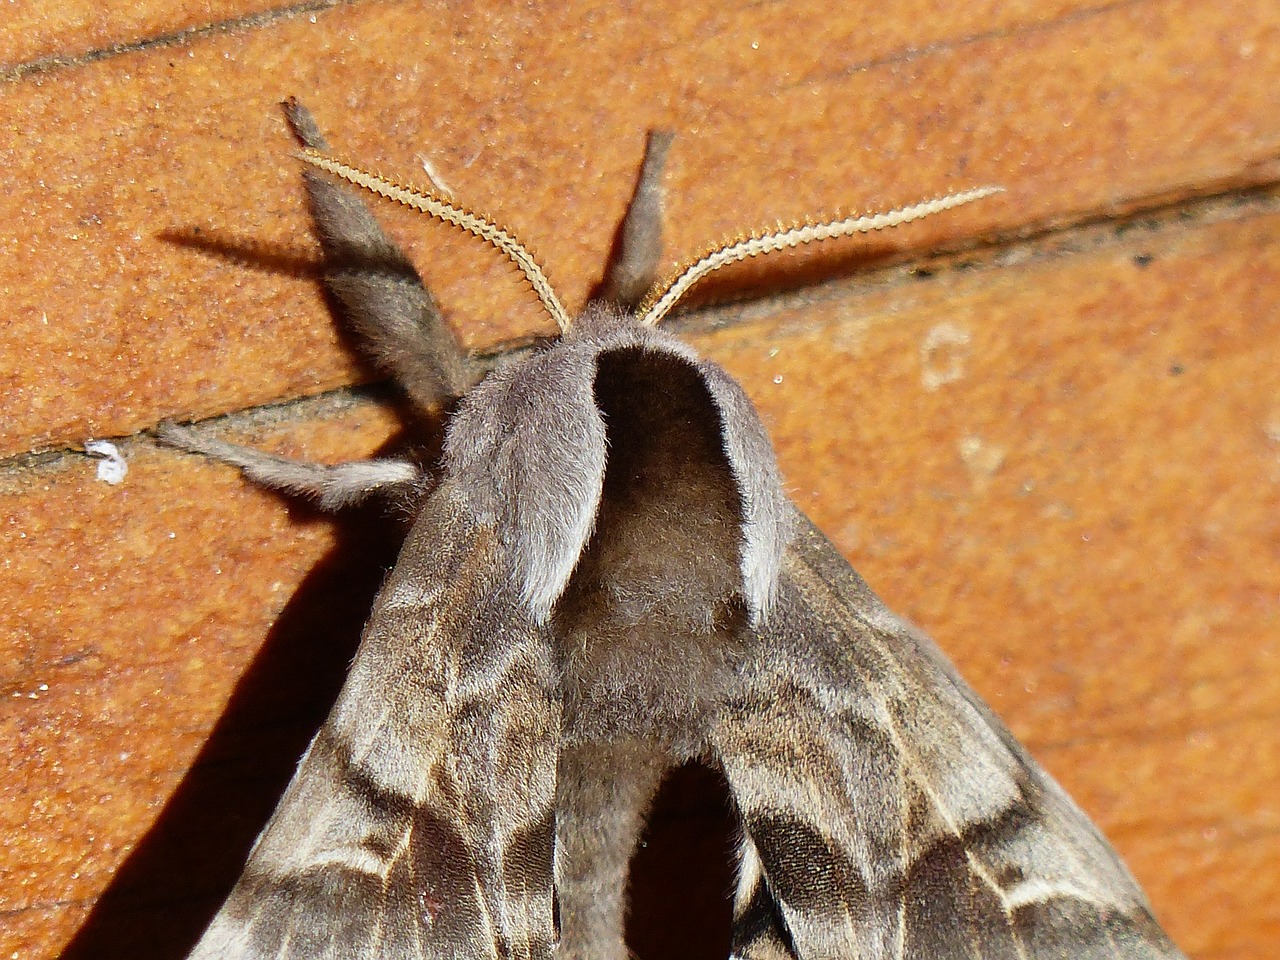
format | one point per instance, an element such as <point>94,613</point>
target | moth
<point>603,580</point>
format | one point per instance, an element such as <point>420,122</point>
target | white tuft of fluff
<point>111,463</point>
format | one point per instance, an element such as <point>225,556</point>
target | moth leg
<point>602,795</point>
<point>381,296</point>
<point>633,262</point>
<point>331,486</point>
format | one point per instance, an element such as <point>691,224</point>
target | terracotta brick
<point>1061,454</point>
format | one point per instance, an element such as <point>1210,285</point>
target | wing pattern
<point>421,820</point>
<point>891,813</point>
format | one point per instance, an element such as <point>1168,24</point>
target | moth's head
<point>618,445</point>
<point>617,440</point>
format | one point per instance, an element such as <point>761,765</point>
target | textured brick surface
<point>1060,454</point>
<point>138,181</point>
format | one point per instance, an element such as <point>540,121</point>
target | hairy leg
<point>633,262</point>
<point>381,295</point>
<point>332,487</point>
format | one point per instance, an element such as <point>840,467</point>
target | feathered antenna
<point>658,304</point>
<point>435,206</point>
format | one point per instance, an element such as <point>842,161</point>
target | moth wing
<point>420,822</point>
<point>888,812</point>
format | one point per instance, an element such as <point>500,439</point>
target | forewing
<point>893,813</point>
<point>420,822</point>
